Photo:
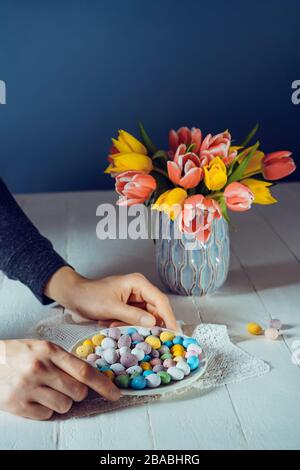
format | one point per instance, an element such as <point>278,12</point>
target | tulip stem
<point>252,174</point>
<point>162,172</point>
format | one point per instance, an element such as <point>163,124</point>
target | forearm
<point>25,255</point>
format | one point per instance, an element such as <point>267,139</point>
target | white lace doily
<point>227,363</point>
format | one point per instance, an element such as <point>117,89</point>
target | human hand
<point>38,378</point>
<point>129,299</point>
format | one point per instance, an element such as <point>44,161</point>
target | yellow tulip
<point>215,175</point>
<point>129,161</point>
<point>171,202</point>
<point>126,143</point>
<point>262,195</point>
<point>255,164</point>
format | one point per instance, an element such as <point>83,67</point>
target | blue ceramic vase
<point>189,267</point>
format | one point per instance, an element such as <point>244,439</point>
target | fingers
<point>133,315</point>
<point>152,295</point>
<point>35,411</point>
<point>52,399</point>
<point>86,374</point>
<point>64,383</point>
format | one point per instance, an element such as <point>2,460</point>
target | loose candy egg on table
<point>275,323</point>
<point>140,358</point>
<point>254,329</point>
<point>271,333</point>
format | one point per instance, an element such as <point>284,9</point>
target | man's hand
<point>129,299</point>
<point>38,378</point>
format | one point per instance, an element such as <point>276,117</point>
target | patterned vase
<point>189,267</point>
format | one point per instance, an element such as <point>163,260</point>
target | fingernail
<point>115,394</point>
<point>147,320</point>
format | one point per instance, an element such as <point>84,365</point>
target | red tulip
<point>134,187</point>
<point>238,197</point>
<point>278,165</point>
<point>185,136</point>
<point>185,169</point>
<point>197,216</point>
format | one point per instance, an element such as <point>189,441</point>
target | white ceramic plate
<point>163,389</point>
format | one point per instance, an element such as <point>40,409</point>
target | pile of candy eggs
<point>272,332</point>
<point>139,358</point>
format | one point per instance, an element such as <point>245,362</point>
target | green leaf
<point>146,140</point>
<point>222,203</point>
<point>235,160</point>
<point>250,135</point>
<point>160,154</point>
<point>239,171</point>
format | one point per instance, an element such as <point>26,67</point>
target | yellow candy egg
<point>88,342</point>
<point>254,328</point>
<point>177,350</point>
<point>167,336</point>
<point>97,339</point>
<point>109,374</point>
<point>153,341</point>
<point>84,350</point>
<point>145,366</point>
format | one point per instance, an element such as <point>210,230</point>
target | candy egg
<point>165,377</point>
<point>144,346</point>
<point>114,333</point>
<point>128,360</point>
<point>193,362</point>
<point>156,361</point>
<point>109,373</point>
<point>122,381</point>
<point>188,341</point>
<point>178,359</point>
<point>184,367</point>
<point>117,368</point>
<point>166,336</point>
<point>190,353</point>
<point>125,340</point>
<point>147,372</point>
<point>275,323</point>
<point>145,366</point>
<point>137,338</point>
<point>153,341</point>
<point>177,350</point>
<point>154,353</point>
<point>169,363</point>
<point>108,343</point>
<point>134,369</point>
<point>143,331</point>
<point>164,349</point>
<point>175,373</point>
<point>166,356</point>
<point>138,383</point>
<point>131,330</point>
<point>271,333</point>
<point>147,358</point>
<point>99,350</point>
<point>153,380</point>
<point>139,353</point>
<point>158,368</point>
<point>155,330</point>
<point>124,350</point>
<point>110,355</point>
<point>92,358</point>
<point>194,347</point>
<point>101,363</point>
<point>88,342</point>
<point>84,350</point>
<point>178,340</point>
<point>254,328</point>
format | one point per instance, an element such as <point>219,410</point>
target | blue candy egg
<point>104,368</point>
<point>178,340</point>
<point>168,343</point>
<point>131,331</point>
<point>147,372</point>
<point>138,383</point>
<point>188,341</point>
<point>193,362</point>
<point>147,358</point>
<point>135,342</point>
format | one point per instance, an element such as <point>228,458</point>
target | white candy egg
<point>110,355</point>
<point>139,353</point>
<point>133,369</point>
<point>108,343</point>
<point>101,362</point>
<point>99,350</point>
<point>124,350</point>
<point>153,380</point>
<point>194,347</point>
<point>144,331</point>
<point>182,365</point>
<point>175,373</point>
<point>117,368</point>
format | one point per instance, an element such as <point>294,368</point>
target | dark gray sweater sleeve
<point>25,255</point>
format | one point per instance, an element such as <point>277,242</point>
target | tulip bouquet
<point>196,180</point>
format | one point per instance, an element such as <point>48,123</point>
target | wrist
<point>63,285</point>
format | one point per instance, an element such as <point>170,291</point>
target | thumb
<point>133,315</point>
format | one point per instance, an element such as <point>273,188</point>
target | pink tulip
<point>185,169</point>
<point>215,146</point>
<point>134,187</point>
<point>185,136</point>
<point>238,197</point>
<point>278,165</point>
<point>197,216</point>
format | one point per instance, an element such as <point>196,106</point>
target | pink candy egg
<point>92,358</point>
<point>137,337</point>
<point>169,363</point>
<point>155,331</point>
<point>144,346</point>
<point>128,360</point>
<point>114,333</point>
<point>124,340</point>
<point>158,368</point>
<point>155,362</point>
<point>271,333</point>
<point>275,323</point>
<point>154,353</point>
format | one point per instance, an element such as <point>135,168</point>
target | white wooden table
<point>264,282</point>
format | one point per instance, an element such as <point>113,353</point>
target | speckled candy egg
<point>175,373</point>
<point>125,340</point>
<point>156,361</point>
<point>136,337</point>
<point>143,331</point>
<point>134,370</point>
<point>84,350</point>
<point>144,346</point>
<point>128,360</point>
<point>110,355</point>
<point>155,330</point>
<point>184,367</point>
<point>154,353</point>
<point>139,353</point>
<point>271,333</point>
<point>114,333</point>
<point>122,381</point>
<point>92,358</point>
<point>153,380</point>
<point>164,350</point>
<point>158,368</point>
<point>169,363</point>
<point>101,363</point>
<point>117,368</point>
<point>124,350</point>
<point>108,343</point>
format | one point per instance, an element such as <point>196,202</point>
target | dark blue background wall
<point>76,71</point>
